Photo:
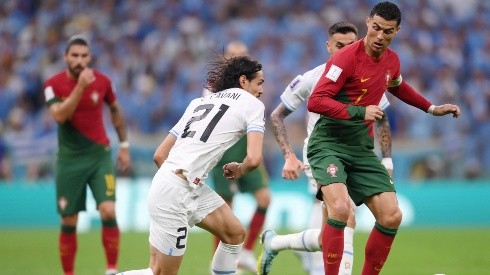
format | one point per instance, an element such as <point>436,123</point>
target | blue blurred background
<point>156,52</point>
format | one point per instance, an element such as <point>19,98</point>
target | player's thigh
<point>103,180</point>
<point>71,189</point>
<point>368,177</point>
<point>170,201</point>
<point>327,169</point>
<point>254,180</point>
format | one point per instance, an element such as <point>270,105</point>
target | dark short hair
<point>77,39</point>
<point>343,28</point>
<point>388,11</point>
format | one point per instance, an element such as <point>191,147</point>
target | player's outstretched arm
<point>163,150</point>
<point>292,164</point>
<point>445,109</point>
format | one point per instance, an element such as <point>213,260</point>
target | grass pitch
<point>415,251</point>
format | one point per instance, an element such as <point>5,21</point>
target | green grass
<point>428,251</point>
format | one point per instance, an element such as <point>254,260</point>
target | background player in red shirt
<point>75,98</point>
<point>340,147</point>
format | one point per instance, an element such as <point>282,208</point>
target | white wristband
<point>431,109</point>
<point>124,144</point>
<point>388,163</point>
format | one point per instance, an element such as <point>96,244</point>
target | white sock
<point>347,262</point>
<point>316,219</point>
<point>303,241</point>
<point>147,271</point>
<point>225,259</point>
<point>314,260</point>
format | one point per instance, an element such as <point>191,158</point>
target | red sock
<point>255,227</point>
<point>378,247</point>
<point>110,240</point>
<point>68,249</point>
<point>333,245</point>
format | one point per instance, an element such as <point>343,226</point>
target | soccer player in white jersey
<point>255,183</point>
<point>179,197</point>
<point>296,93</point>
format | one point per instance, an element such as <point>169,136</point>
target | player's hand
<point>86,77</point>
<point>292,167</point>
<point>373,113</point>
<point>123,160</point>
<point>232,171</point>
<point>445,109</point>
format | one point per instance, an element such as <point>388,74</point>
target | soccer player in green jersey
<point>297,93</point>
<point>75,98</point>
<point>340,146</point>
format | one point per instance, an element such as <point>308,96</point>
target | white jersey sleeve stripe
<point>286,103</point>
<point>174,132</point>
<point>255,129</point>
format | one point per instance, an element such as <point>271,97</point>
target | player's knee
<point>392,220</point>
<point>339,209</point>
<point>235,235</point>
<point>107,210</point>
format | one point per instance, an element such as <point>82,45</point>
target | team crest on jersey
<point>62,202</point>
<point>94,96</point>
<point>388,77</point>
<point>332,170</point>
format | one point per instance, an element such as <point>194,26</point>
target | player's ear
<point>242,80</point>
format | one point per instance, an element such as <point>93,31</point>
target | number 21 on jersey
<point>189,133</point>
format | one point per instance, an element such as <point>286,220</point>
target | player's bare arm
<point>384,136</point>
<point>292,163</point>
<point>123,156</point>
<point>384,139</point>
<point>235,170</point>
<point>162,151</point>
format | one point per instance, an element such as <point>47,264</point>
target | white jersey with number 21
<point>210,125</point>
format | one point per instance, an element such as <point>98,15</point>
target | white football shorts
<point>174,206</point>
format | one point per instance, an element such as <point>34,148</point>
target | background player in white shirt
<point>296,93</point>
<point>255,183</point>
<point>179,197</point>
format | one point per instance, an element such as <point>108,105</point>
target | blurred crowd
<point>156,52</point>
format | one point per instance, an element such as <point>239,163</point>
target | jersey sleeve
<point>110,96</point>
<point>300,88</point>
<point>50,95</point>
<point>254,114</point>
<point>337,71</point>
<point>405,92</point>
